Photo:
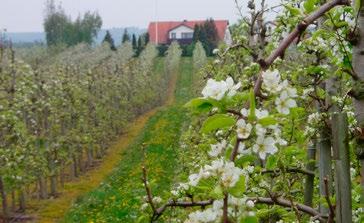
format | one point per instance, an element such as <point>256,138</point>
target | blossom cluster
<point>226,171</point>
<point>214,213</point>
<point>219,89</point>
<point>272,83</point>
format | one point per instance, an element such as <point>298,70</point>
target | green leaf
<point>267,121</point>
<point>142,219</point>
<point>249,219</point>
<point>217,192</point>
<point>200,104</point>
<point>309,6</point>
<point>271,162</point>
<point>239,188</point>
<point>245,159</point>
<point>294,11</point>
<point>218,121</point>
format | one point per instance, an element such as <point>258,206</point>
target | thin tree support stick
<point>342,168</point>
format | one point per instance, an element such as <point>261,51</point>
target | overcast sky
<point>27,15</point>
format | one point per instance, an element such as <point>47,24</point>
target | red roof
<point>165,27</point>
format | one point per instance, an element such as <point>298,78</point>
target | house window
<point>187,35</point>
<point>173,36</point>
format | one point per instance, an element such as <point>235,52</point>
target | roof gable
<point>181,25</point>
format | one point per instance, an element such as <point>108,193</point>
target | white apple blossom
<point>243,129</point>
<point>271,80</point>
<point>232,88</point>
<point>244,112</point>
<point>218,89</point>
<point>144,206</point>
<point>215,51</point>
<point>157,200</point>
<point>215,89</point>
<point>259,113</point>
<point>216,149</point>
<point>265,146</point>
<point>260,130</point>
<point>207,216</point>
<point>284,103</point>
<point>194,179</point>
<point>242,149</point>
<point>250,203</point>
<point>230,175</point>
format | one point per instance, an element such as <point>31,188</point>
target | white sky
<point>27,15</point>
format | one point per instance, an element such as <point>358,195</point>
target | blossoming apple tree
<point>279,130</point>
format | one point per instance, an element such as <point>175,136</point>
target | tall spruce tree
<point>108,39</point>
<point>206,33</point>
<point>126,36</point>
<point>134,42</point>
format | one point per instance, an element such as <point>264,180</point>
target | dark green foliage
<point>134,42</point>
<point>126,36</point>
<point>162,49</point>
<point>207,35</point>
<point>147,38</point>
<point>187,50</point>
<point>60,29</point>
<point>108,39</point>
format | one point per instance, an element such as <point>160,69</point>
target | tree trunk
<point>309,184</point>
<point>342,167</point>
<point>22,200</point>
<point>62,175</point>
<point>80,162</point>
<point>358,64</point>
<point>53,185</point>
<point>13,201</point>
<point>90,159</point>
<point>74,166</point>
<point>42,188</point>
<point>4,201</point>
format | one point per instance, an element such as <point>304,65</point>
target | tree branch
<point>258,200</point>
<point>291,170</point>
<point>286,203</point>
<point>286,42</point>
<point>327,197</point>
<point>148,190</point>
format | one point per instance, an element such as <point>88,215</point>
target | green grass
<point>118,198</point>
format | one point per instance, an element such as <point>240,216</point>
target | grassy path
<point>117,199</point>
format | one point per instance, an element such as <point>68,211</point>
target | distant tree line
<point>61,30</point>
<point>206,33</point>
<point>138,43</point>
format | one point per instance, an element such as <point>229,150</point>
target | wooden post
<point>309,184</point>
<point>324,148</point>
<point>342,167</point>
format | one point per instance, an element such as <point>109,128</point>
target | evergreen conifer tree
<point>108,39</point>
<point>126,36</point>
